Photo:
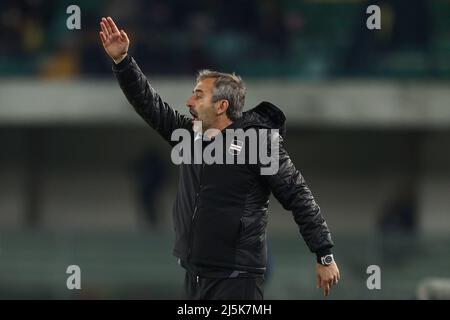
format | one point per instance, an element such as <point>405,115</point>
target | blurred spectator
<point>271,30</point>
<point>150,171</point>
<point>63,63</point>
<point>399,214</point>
<point>397,223</point>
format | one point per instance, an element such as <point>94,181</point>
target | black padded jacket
<point>221,211</point>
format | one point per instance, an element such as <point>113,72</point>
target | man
<point>220,213</point>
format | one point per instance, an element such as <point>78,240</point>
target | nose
<point>190,102</point>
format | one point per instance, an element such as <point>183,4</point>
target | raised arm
<point>135,85</point>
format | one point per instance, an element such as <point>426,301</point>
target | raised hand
<point>115,42</point>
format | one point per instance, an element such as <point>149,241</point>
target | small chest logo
<point>235,147</point>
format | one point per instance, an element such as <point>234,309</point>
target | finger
<point>112,25</point>
<point>326,289</point>
<point>124,36</point>
<point>104,29</point>
<point>331,283</point>
<point>106,22</point>
<point>318,281</point>
<point>102,36</point>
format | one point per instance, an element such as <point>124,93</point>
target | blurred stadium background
<point>84,181</point>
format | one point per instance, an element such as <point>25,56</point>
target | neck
<point>219,125</point>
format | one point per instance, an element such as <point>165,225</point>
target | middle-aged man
<point>221,210</point>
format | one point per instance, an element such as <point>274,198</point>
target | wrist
<point>120,59</point>
<point>326,260</point>
<point>122,64</point>
<point>322,253</point>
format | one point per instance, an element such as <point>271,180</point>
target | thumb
<point>124,36</point>
<point>318,281</point>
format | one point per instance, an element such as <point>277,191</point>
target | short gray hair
<point>227,86</point>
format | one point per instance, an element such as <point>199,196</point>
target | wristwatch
<point>327,260</point>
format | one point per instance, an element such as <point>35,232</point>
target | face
<point>200,103</point>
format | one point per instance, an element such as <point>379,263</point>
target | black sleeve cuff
<point>122,64</point>
<point>322,253</point>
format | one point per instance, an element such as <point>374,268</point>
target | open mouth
<point>194,116</point>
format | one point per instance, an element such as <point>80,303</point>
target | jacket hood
<point>265,115</point>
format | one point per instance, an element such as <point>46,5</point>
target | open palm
<point>115,42</point>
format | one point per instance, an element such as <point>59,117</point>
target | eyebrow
<point>197,90</point>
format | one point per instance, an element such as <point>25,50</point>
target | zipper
<point>191,233</point>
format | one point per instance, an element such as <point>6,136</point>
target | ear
<point>222,107</point>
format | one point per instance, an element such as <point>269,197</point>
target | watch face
<point>328,259</point>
